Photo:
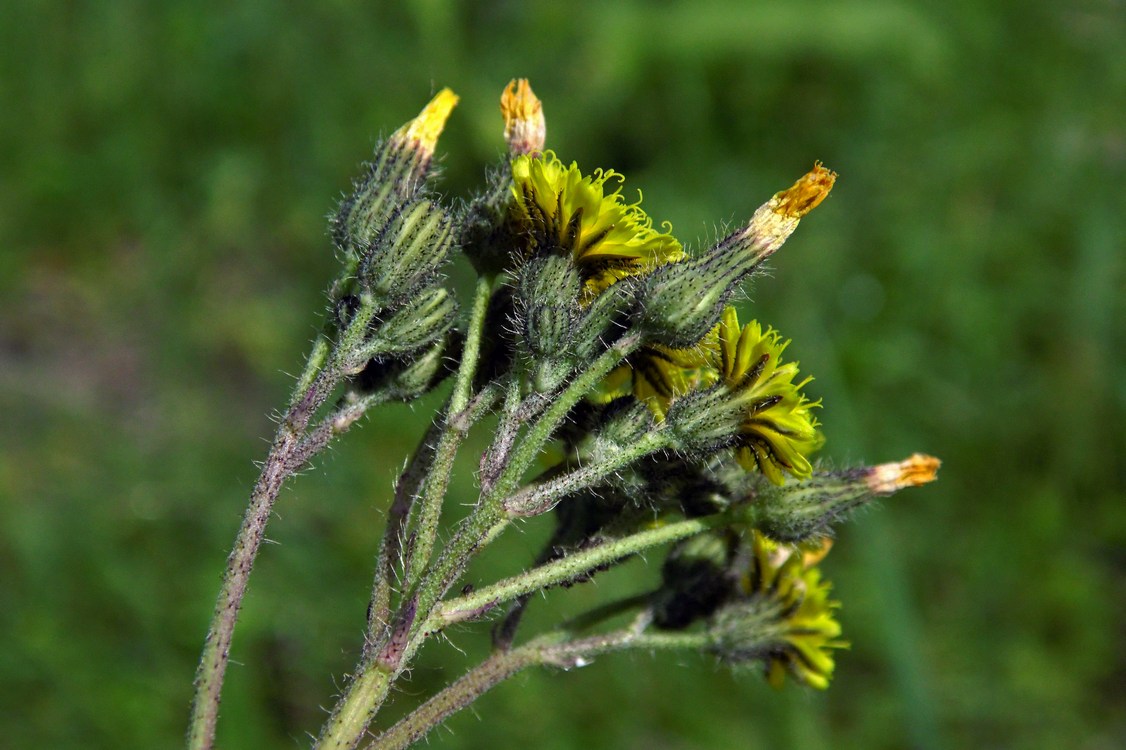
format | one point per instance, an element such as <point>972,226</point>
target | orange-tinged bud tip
<point>806,194</point>
<point>422,132</point>
<point>525,129</point>
<point>911,472</point>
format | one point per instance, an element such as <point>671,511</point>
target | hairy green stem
<point>359,704</point>
<point>349,721</point>
<point>551,649</point>
<point>437,480</point>
<point>542,430</point>
<point>279,466</point>
<point>456,696</point>
<point>391,545</point>
<point>313,365</point>
<point>286,456</point>
<point>568,568</point>
<point>543,497</point>
<point>478,530</point>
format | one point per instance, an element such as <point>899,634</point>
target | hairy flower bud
<point>425,318</point>
<point>395,175</point>
<point>412,247</point>
<point>559,333</point>
<point>797,511</point>
<point>423,373</point>
<point>624,423</point>
<point>548,293</point>
<point>682,301</point>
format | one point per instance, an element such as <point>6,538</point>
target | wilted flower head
<point>525,129</point>
<point>917,469</point>
<point>557,209</point>
<point>774,221</point>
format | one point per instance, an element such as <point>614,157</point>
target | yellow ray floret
<point>557,209</point>
<point>809,631</point>
<point>779,430</point>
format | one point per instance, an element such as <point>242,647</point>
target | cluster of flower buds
<point>684,411</point>
<point>633,407</point>
<point>394,238</point>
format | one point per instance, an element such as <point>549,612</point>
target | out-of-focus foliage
<point>164,173</point>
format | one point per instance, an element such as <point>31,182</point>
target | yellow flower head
<point>779,429</point>
<point>809,631</point>
<point>557,209</point>
<point>656,375</point>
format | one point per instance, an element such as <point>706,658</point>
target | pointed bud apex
<point>394,176</point>
<point>421,133</point>
<point>524,127</point>
<point>919,469</point>
<point>684,300</point>
<point>776,220</point>
<point>416,242</point>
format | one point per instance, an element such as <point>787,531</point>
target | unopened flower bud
<point>395,175</point>
<point>603,320</point>
<point>797,511</point>
<point>424,319</point>
<point>706,420</point>
<point>525,129</point>
<point>625,424</point>
<point>413,246</point>
<point>548,293</point>
<point>682,301</point>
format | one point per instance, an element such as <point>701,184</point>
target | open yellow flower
<point>779,430</point>
<point>657,375</point>
<point>782,618</point>
<point>809,629</point>
<point>557,209</point>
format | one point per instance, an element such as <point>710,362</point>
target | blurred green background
<point>165,171</point>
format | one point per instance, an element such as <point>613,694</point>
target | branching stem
<point>321,376</point>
